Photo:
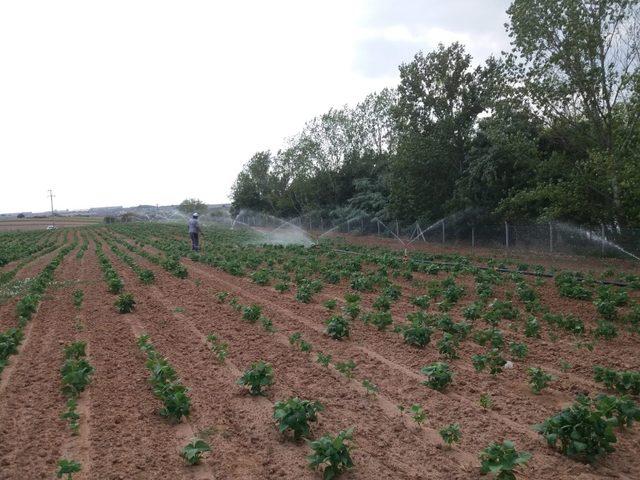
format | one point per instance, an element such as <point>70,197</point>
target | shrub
<point>438,375</point>
<point>502,459</point>
<point>295,414</point>
<point>258,376</point>
<point>192,451</point>
<point>332,454</point>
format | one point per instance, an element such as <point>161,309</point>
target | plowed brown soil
<point>122,436</point>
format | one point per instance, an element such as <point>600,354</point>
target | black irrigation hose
<point>501,270</point>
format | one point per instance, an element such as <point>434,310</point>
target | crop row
<point>26,307</point>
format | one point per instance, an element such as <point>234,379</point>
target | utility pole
<point>53,218</point>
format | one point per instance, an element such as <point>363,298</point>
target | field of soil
<point>121,435</point>
<point>19,224</point>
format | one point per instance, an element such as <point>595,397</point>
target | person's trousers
<point>194,241</point>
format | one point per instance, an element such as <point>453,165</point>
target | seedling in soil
<point>68,468</point>
<point>337,327</point>
<point>258,376</point>
<point>501,460</point>
<point>219,349</point>
<point>330,304</point>
<point>192,451</point>
<point>450,434</point>
<point>352,310</point>
<point>125,303</point>
<point>370,386</point>
<point>78,297</point>
<point>332,454</point>
<point>75,350</point>
<point>282,287</point>
<point>346,368</point>
<point>447,346</point>
<point>252,313</point>
<point>538,379</point>
<point>565,366</point>
<point>438,375</point>
<point>221,296</point>
<point>294,338</point>
<point>486,401</point>
<point>295,414</point>
<point>518,350</point>
<point>304,346</point>
<point>532,328</point>
<point>323,359</point>
<point>267,324</point>
<point>71,416</point>
<point>417,413</point>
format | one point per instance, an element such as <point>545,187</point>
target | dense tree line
<point>548,130</point>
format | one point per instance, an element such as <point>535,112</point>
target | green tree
<point>578,63</point>
<point>191,205</point>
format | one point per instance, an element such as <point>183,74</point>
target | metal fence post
<point>443,232</point>
<point>473,237</point>
<point>378,224</point>
<point>397,229</point>
<point>506,234</point>
<point>550,237</point>
<point>604,239</point>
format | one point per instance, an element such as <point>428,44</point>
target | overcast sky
<point>144,102</point>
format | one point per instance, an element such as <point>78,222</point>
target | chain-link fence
<point>551,237</point>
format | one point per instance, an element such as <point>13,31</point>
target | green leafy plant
<point>438,375</point>
<point>416,334</point>
<point>450,434</point>
<point>493,359</point>
<point>538,379</point>
<point>532,328</point>
<point>370,386</point>
<point>125,303</point>
<point>330,304</point>
<point>417,413</point>
<point>346,368</point>
<point>72,416</point>
<point>606,330</point>
<point>447,346</point>
<point>221,296</point>
<point>579,431</point>
<point>323,359</point>
<point>421,301</point>
<point>68,468</point>
<point>332,454</point>
<point>486,401</point>
<point>257,377</point>
<point>251,313</point>
<point>78,297</point>
<point>282,287</point>
<point>501,459</point>
<point>295,414</point>
<point>193,451</point>
<point>518,350</point>
<point>337,327</point>
<point>219,349</point>
<point>626,382</point>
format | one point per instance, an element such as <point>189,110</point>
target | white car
<point>51,227</point>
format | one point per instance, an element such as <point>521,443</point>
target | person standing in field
<point>194,232</point>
